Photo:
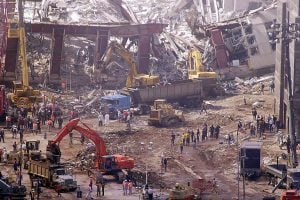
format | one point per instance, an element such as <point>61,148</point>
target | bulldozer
<point>195,68</point>
<point>163,114</point>
<point>23,95</point>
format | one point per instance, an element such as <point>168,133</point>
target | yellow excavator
<point>133,79</point>
<point>23,95</point>
<point>195,69</point>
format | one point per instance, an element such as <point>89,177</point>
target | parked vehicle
<point>51,175</point>
<point>112,103</point>
<point>280,176</point>
<point>250,158</point>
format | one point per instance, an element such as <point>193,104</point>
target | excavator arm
<point>195,68</point>
<point>118,49</point>
<point>87,132</point>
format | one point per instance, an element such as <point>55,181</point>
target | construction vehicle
<point>188,93</point>
<point>196,69</point>
<point>112,103</point>
<point>290,195</point>
<point>163,114</point>
<point>51,175</point>
<point>23,95</point>
<point>133,79</point>
<point>282,177</point>
<point>10,191</point>
<point>31,152</point>
<point>180,192</point>
<point>250,159</point>
<point>108,164</point>
<point>3,104</point>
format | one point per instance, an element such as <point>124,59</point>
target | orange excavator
<point>110,164</point>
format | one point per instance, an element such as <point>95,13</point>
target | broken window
<point>251,39</point>
<point>254,50</point>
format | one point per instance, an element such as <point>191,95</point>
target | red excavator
<point>110,164</point>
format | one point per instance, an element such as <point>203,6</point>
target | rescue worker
<point>181,147</point>
<point>173,138</point>
<point>103,186</point>
<point>91,183</point>
<point>98,189</point>
<point>130,186</point>
<point>211,131</point>
<point>204,132</point>
<point>60,122</point>
<point>165,164</point>
<point>2,135</point>
<point>198,135</point>
<point>203,108</point>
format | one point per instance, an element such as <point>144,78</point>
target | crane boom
<point>22,46</point>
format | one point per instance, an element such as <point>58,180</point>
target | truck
<point>51,175</point>
<point>280,176</point>
<point>112,103</point>
<point>250,159</point>
<point>189,93</point>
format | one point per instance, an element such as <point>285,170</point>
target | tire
<point>120,177</point>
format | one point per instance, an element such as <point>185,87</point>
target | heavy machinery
<point>51,175</point>
<point>112,103</point>
<point>163,114</point>
<point>195,69</point>
<point>180,192</point>
<point>10,191</point>
<point>133,79</point>
<point>32,151</point>
<point>23,95</point>
<point>110,164</point>
<point>290,195</point>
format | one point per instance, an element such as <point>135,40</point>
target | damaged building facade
<point>288,13</point>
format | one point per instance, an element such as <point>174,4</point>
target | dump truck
<point>51,175</point>
<point>163,114</point>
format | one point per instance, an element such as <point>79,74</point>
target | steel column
<point>143,54</point>
<point>57,46</point>
<point>101,45</point>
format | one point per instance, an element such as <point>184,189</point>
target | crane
<point>112,164</point>
<point>23,95</point>
<point>196,66</point>
<point>133,79</point>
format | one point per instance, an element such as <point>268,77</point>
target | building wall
<point>279,67</point>
<point>281,71</point>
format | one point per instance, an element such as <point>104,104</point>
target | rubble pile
<point>249,86</point>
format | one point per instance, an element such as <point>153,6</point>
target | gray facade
<point>287,11</point>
